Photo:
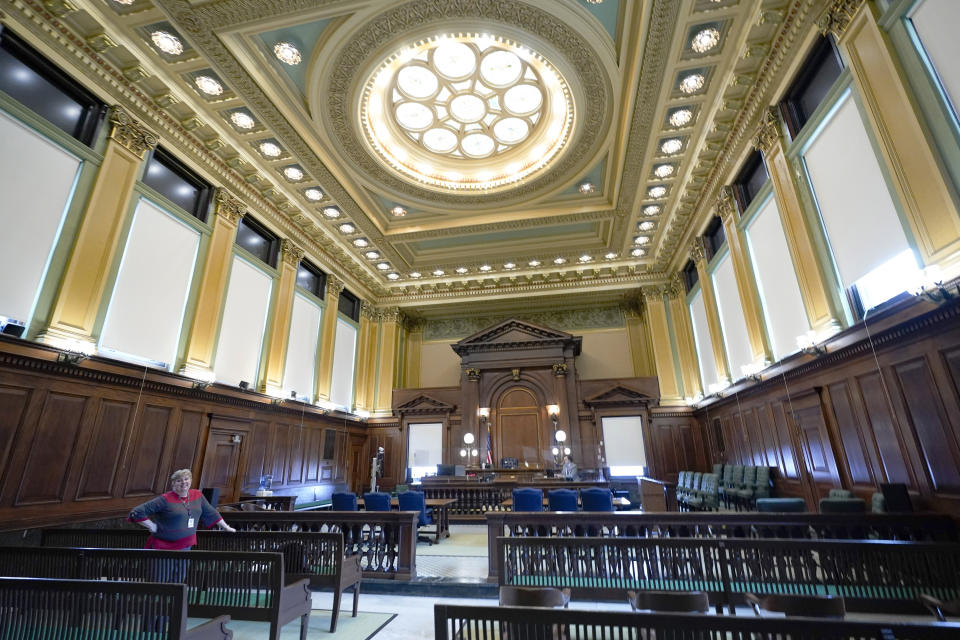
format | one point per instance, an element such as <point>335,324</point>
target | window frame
<point>169,161</point>
<point>823,49</point>
<point>273,241</point>
<point>318,273</point>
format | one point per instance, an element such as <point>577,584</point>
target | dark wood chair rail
<point>876,576</point>
<point>460,622</point>
<point>51,608</point>
<point>243,585</point>
<point>804,526</point>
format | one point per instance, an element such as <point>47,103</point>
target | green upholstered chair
<point>878,504</point>
<point>842,505</point>
<point>681,484</point>
<point>747,496</point>
<point>840,493</point>
<point>731,482</point>
<point>705,498</point>
<point>718,469</point>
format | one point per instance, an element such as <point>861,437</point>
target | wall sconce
<point>554,412</point>
<point>808,344</point>
<point>200,384</point>
<point>244,385</point>
<point>71,358</point>
<point>484,414</point>
<point>936,292</point>
<point>753,371</point>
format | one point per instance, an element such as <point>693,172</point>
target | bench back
<point>877,576</point>
<point>461,622</point>
<point>49,608</point>
<point>216,581</point>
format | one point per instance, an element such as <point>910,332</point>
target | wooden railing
<point>877,576</point>
<point>475,499</point>
<point>803,526</point>
<point>461,622</point>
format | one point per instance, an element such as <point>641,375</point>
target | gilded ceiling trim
<point>510,225</point>
<point>44,24</point>
<point>593,114</point>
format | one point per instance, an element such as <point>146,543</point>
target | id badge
<point>191,523</point>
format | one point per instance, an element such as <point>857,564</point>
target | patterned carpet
<point>364,626</point>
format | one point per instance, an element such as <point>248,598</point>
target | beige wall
<point>605,354</point>
<point>439,365</point>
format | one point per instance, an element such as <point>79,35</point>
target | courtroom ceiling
<point>438,152</point>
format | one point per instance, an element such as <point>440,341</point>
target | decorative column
<point>290,257</point>
<point>698,253</point>
<point>202,343</point>
<point>414,347</point>
<point>85,279</point>
<point>390,327</point>
<point>638,336</point>
<point>365,373</point>
<point>929,199</point>
<point>670,392</point>
<point>683,337</point>
<point>818,287</point>
<point>328,338</point>
<point>729,213</point>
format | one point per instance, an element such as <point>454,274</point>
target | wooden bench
<point>461,622</point>
<point>243,585</point>
<point>59,609</point>
<point>876,576</point>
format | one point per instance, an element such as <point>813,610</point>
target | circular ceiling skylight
<point>466,112</point>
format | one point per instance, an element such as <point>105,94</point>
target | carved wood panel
<point>50,449</point>
<point>884,428</point>
<point>99,466</point>
<point>144,456</point>
<point>855,447</point>
<point>13,409</point>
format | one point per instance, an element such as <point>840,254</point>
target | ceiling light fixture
<point>692,83</point>
<point>372,255</point>
<point>314,195</point>
<point>287,53</point>
<point>294,174</point>
<point>651,210</point>
<point>208,85</point>
<point>398,211</point>
<point>587,187</point>
<point>657,192</point>
<point>360,243</point>
<point>705,40</point>
<point>559,260</point>
<point>534,263</point>
<point>610,256</point>
<point>681,117</point>
<point>438,272</point>
<point>346,227</point>
<point>270,150</point>
<point>242,120</point>
<point>485,267</point>
<point>641,240</point>
<point>671,146</point>
<point>586,258</point>
<point>393,275</point>
<point>331,212</point>
<point>509,265</point>
<point>415,274</point>
<point>383,266</point>
<point>167,42</point>
<point>462,270</point>
<point>646,226</point>
<point>638,252</point>
<point>125,3</point>
<point>664,170</point>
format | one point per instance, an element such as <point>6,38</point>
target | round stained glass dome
<point>466,112</point>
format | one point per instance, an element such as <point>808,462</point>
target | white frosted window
<point>733,323</point>
<point>623,445</point>
<point>424,448</point>
<point>37,179</point>
<point>243,324</point>
<point>298,374</point>
<point>145,315</point>
<point>344,354</point>
<point>855,204</point>
<point>936,23</point>
<point>701,336</point>
<point>782,303</point>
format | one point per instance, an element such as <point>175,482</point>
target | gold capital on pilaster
<point>698,250</point>
<point>290,253</point>
<point>653,292</point>
<point>390,314</point>
<point>838,17</point>
<point>368,311</point>
<point>726,203</point>
<point>334,286</point>
<point>768,133</point>
<point>230,208</point>
<point>677,287</point>
<point>129,133</point>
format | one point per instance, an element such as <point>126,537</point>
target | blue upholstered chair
<point>527,499</point>
<point>415,501</point>
<point>596,499</point>
<point>376,501</point>
<point>562,500</point>
<point>344,501</point>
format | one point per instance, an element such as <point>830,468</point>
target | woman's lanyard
<point>191,523</point>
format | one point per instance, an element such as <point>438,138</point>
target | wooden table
<point>618,503</point>
<point>441,513</point>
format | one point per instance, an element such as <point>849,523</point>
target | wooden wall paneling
<point>761,449</point>
<point>222,464</point>
<point>930,426</point>
<point>667,453</point>
<point>257,463</point>
<point>14,401</point>
<point>852,455</point>
<point>815,443</point>
<point>48,449</point>
<point>295,442</point>
<point>280,451</point>
<point>101,455</point>
<point>786,445</point>
<point>771,439</point>
<point>190,424</point>
<point>313,441</point>
<point>882,424</point>
<point>145,472</point>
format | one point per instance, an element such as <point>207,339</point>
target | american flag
<point>489,450</point>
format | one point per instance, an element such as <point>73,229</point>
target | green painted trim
<point>190,310</point>
<point>759,202</point>
<point>170,207</point>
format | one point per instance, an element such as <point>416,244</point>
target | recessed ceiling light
<point>372,255</point>
<point>125,3</point>
<point>208,85</point>
<point>167,42</point>
<point>270,150</point>
<point>461,269</point>
<point>294,174</point>
<point>383,266</point>
<point>681,117</point>
<point>534,263</point>
<point>415,274</point>
<point>485,267</point>
<point>346,227</point>
<point>705,40</point>
<point>671,146</point>
<point>586,187</point>
<point>314,195</point>
<point>331,212</point>
<point>287,53</point>
<point>559,260</point>
<point>509,265</point>
<point>610,256</point>
<point>657,192</point>
<point>586,258</point>
<point>692,83</point>
<point>398,211</point>
<point>646,226</point>
<point>663,170</point>
<point>393,276</point>
<point>438,272</point>
<point>360,243</point>
<point>242,120</point>
<point>638,252</point>
<point>651,210</point>
<point>641,240</point>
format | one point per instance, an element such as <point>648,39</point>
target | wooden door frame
<point>241,427</point>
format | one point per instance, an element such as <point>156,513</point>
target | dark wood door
<point>518,428</point>
<point>221,464</point>
<point>357,467</point>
